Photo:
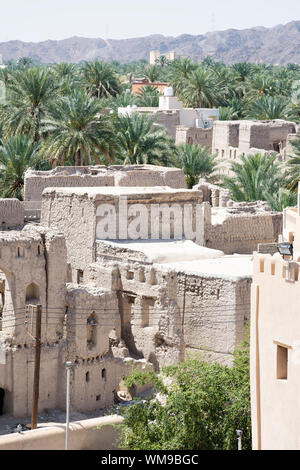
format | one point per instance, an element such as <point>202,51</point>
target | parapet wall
<point>99,175</point>
<point>89,434</point>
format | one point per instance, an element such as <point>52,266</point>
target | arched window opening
<point>32,293</point>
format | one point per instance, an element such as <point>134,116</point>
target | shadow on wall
<point>2,395</point>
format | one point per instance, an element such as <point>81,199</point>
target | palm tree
<point>293,167</point>
<point>196,162</point>
<point>77,131</point>
<point>269,107</point>
<point>29,95</point>
<point>148,96</point>
<point>151,72</point>
<point>260,85</point>
<point>17,154</point>
<point>100,79</point>
<point>180,69</point>
<point>200,89</point>
<point>67,76</point>
<point>25,62</point>
<point>228,114</point>
<point>283,198</point>
<point>242,70</point>
<point>255,176</point>
<point>142,141</point>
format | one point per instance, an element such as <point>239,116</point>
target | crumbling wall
<point>215,313</point>
<point>239,229</point>
<point>99,175</point>
<point>149,314</point>
<point>11,214</point>
<point>82,210</point>
<point>167,314</point>
<point>33,265</point>
<point>194,136</point>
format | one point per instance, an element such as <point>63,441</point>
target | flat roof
<point>93,191</point>
<point>229,267</point>
<point>165,251</point>
<point>187,257</point>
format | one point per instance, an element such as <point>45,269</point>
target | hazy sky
<point>38,20</point>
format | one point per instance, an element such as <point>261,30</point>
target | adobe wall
<point>11,214</point>
<point>168,313</point>
<point>194,135</point>
<point>150,317</point>
<point>99,175</point>
<point>82,210</point>
<point>80,323</point>
<point>170,120</point>
<point>231,139</point>
<point>242,228</point>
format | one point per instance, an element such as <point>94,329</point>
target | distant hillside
<point>278,45</point>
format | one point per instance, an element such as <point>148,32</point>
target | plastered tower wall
<point>274,343</point>
<point>274,353</point>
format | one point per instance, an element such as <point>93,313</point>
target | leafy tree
<point>77,133</point>
<point>200,410</point>
<point>196,162</point>
<point>17,154</point>
<point>228,114</point>
<point>255,176</point>
<point>142,141</point>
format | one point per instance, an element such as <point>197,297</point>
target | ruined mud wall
<point>167,315</point>
<point>11,214</point>
<point>97,176</point>
<point>241,232</point>
<point>215,315</point>
<point>194,135</point>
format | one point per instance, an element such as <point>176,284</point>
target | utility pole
<point>37,362</point>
